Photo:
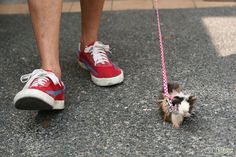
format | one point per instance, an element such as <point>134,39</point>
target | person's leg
<point>44,90</point>
<point>91,11</point>
<point>46,15</point>
<point>93,54</point>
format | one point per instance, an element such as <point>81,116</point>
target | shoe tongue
<point>46,83</point>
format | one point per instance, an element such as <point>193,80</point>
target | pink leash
<point>165,82</point>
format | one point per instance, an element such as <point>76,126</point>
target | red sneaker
<point>94,59</point>
<point>43,91</point>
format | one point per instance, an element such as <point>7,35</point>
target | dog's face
<point>184,103</point>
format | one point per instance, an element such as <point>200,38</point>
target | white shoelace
<point>99,52</point>
<point>42,75</point>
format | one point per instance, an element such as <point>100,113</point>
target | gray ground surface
<point>123,120</point>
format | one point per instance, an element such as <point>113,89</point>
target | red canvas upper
<point>55,91</point>
<point>45,81</point>
<point>104,69</point>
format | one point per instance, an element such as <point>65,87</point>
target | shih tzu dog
<point>182,104</point>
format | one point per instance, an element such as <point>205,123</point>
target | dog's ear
<point>191,100</point>
<point>174,87</point>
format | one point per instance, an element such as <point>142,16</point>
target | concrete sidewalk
<point>124,120</point>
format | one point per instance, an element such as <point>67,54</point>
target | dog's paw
<point>187,115</point>
<point>176,126</point>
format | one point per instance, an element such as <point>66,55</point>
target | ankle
<point>56,71</point>
<point>84,42</point>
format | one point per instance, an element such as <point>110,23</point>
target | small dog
<point>184,104</point>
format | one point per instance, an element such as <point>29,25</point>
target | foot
<point>94,59</point>
<point>43,91</point>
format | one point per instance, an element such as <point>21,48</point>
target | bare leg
<point>46,15</point>
<point>91,11</point>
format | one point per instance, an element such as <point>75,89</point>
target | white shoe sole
<point>105,81</point>
<point>33,99</point>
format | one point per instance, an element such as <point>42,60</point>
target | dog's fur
<point>185,104</point>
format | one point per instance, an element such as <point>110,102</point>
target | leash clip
<point>170,106</point>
